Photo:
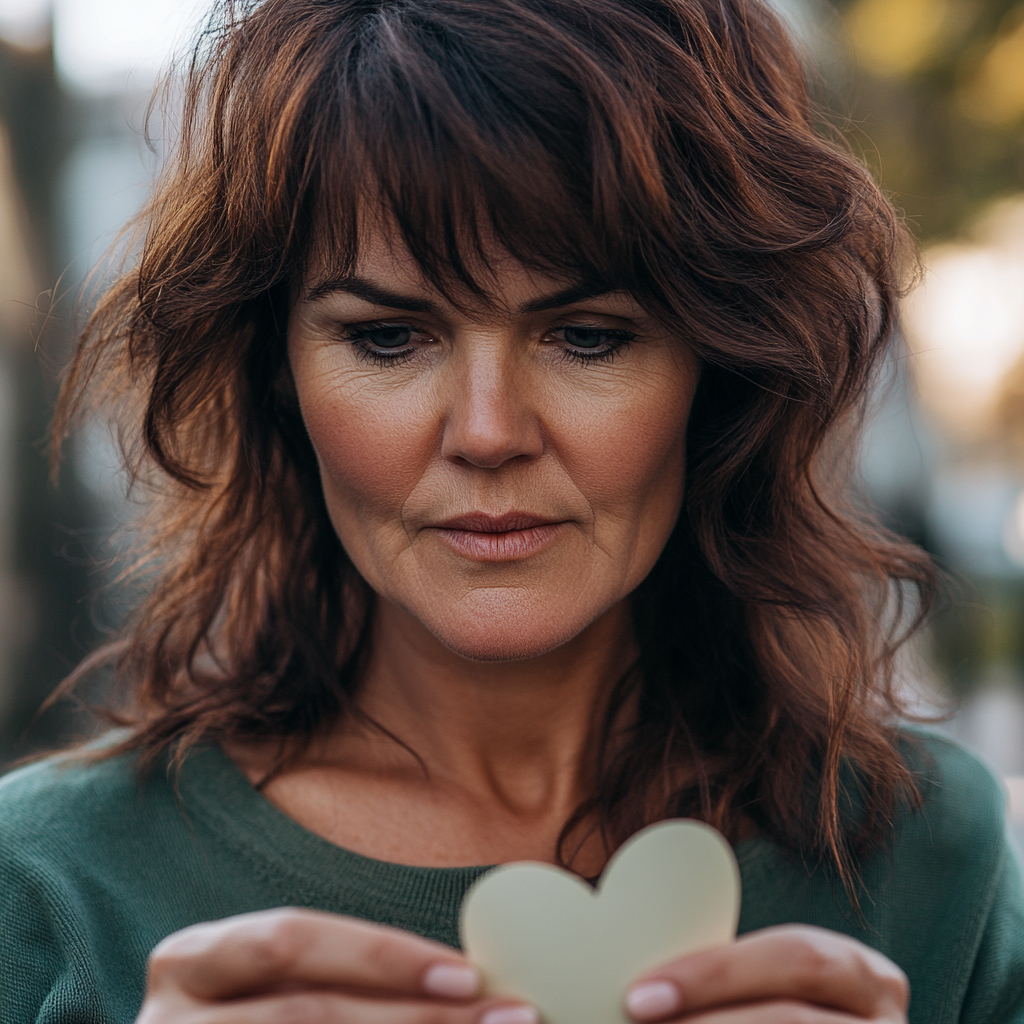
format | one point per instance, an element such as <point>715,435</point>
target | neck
<point>455,762</point>
<point>521,733</point>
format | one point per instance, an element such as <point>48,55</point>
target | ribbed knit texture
<point>97,867</point>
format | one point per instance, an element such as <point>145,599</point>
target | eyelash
<point>359,336</point>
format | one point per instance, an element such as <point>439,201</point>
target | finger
<point>790,962</point>
<point>780,1011</point>
<point>260,952</point>
<point>325,1007</point>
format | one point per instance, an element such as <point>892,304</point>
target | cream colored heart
<point>544,935</point>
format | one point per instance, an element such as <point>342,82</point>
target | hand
<point>793,974</point>
<point>305,967</point>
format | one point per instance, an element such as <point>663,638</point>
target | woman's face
<point>505,472</point>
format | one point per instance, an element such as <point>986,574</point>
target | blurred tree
<point>934,95</point>
<point>47,520</point>
<point>937,99</point>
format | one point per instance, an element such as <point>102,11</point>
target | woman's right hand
<point>306,967</point>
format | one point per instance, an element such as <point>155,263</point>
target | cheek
<point>629,457</point>
<point>372,446</point>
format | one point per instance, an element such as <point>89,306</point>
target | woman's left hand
<point>791,974</point>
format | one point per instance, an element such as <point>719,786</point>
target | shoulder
<point>87,858</point>
<point>65,804</point>
<point>961,901</point>
<point>962,817</point>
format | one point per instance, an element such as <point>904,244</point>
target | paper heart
<point>544,935</point>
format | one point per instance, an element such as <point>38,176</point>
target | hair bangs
<point>466,157</point>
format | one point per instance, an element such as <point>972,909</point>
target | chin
<point>506,624</point>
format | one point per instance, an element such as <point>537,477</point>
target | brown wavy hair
<point>664,147</point>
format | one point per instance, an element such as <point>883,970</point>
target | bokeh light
<point>25,22</point>
<point>97,43</point>
<point>965,322</point>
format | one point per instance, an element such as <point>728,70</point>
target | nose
<point>492,417</point>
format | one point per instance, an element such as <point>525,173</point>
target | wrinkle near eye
<point>492,410</point>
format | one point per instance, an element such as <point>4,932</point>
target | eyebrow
<point>361,288</point>
<point>370,292</point>
<point>566,297</point>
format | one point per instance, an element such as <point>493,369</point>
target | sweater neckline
<point>214,790</point>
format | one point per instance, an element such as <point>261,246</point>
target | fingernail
<point>452,981</point>
<point>521,1014</point>
<point>652,1000</point>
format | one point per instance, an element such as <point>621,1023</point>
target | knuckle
<point>715,973</point>
<point>268,942</point>
<point>891,984</point>
<point>176,953</point>
<point>382,951</point>
<point>162,969</point>
<point>811,958</point>
<point>275,942</point>
<point>878,975</point>
<point>823,960</point>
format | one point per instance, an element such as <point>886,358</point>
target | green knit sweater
<point>96,868</point>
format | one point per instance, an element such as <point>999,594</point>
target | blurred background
<point>931,96</point>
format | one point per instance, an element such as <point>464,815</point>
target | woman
<point>494,367</point>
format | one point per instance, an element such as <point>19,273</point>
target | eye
<point>590,337</point>
<point>386,336</point>
<point>588,344</point>
<point>384,343</point>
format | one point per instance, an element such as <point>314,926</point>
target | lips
<point>506,538</point>
<point>482,522</point>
